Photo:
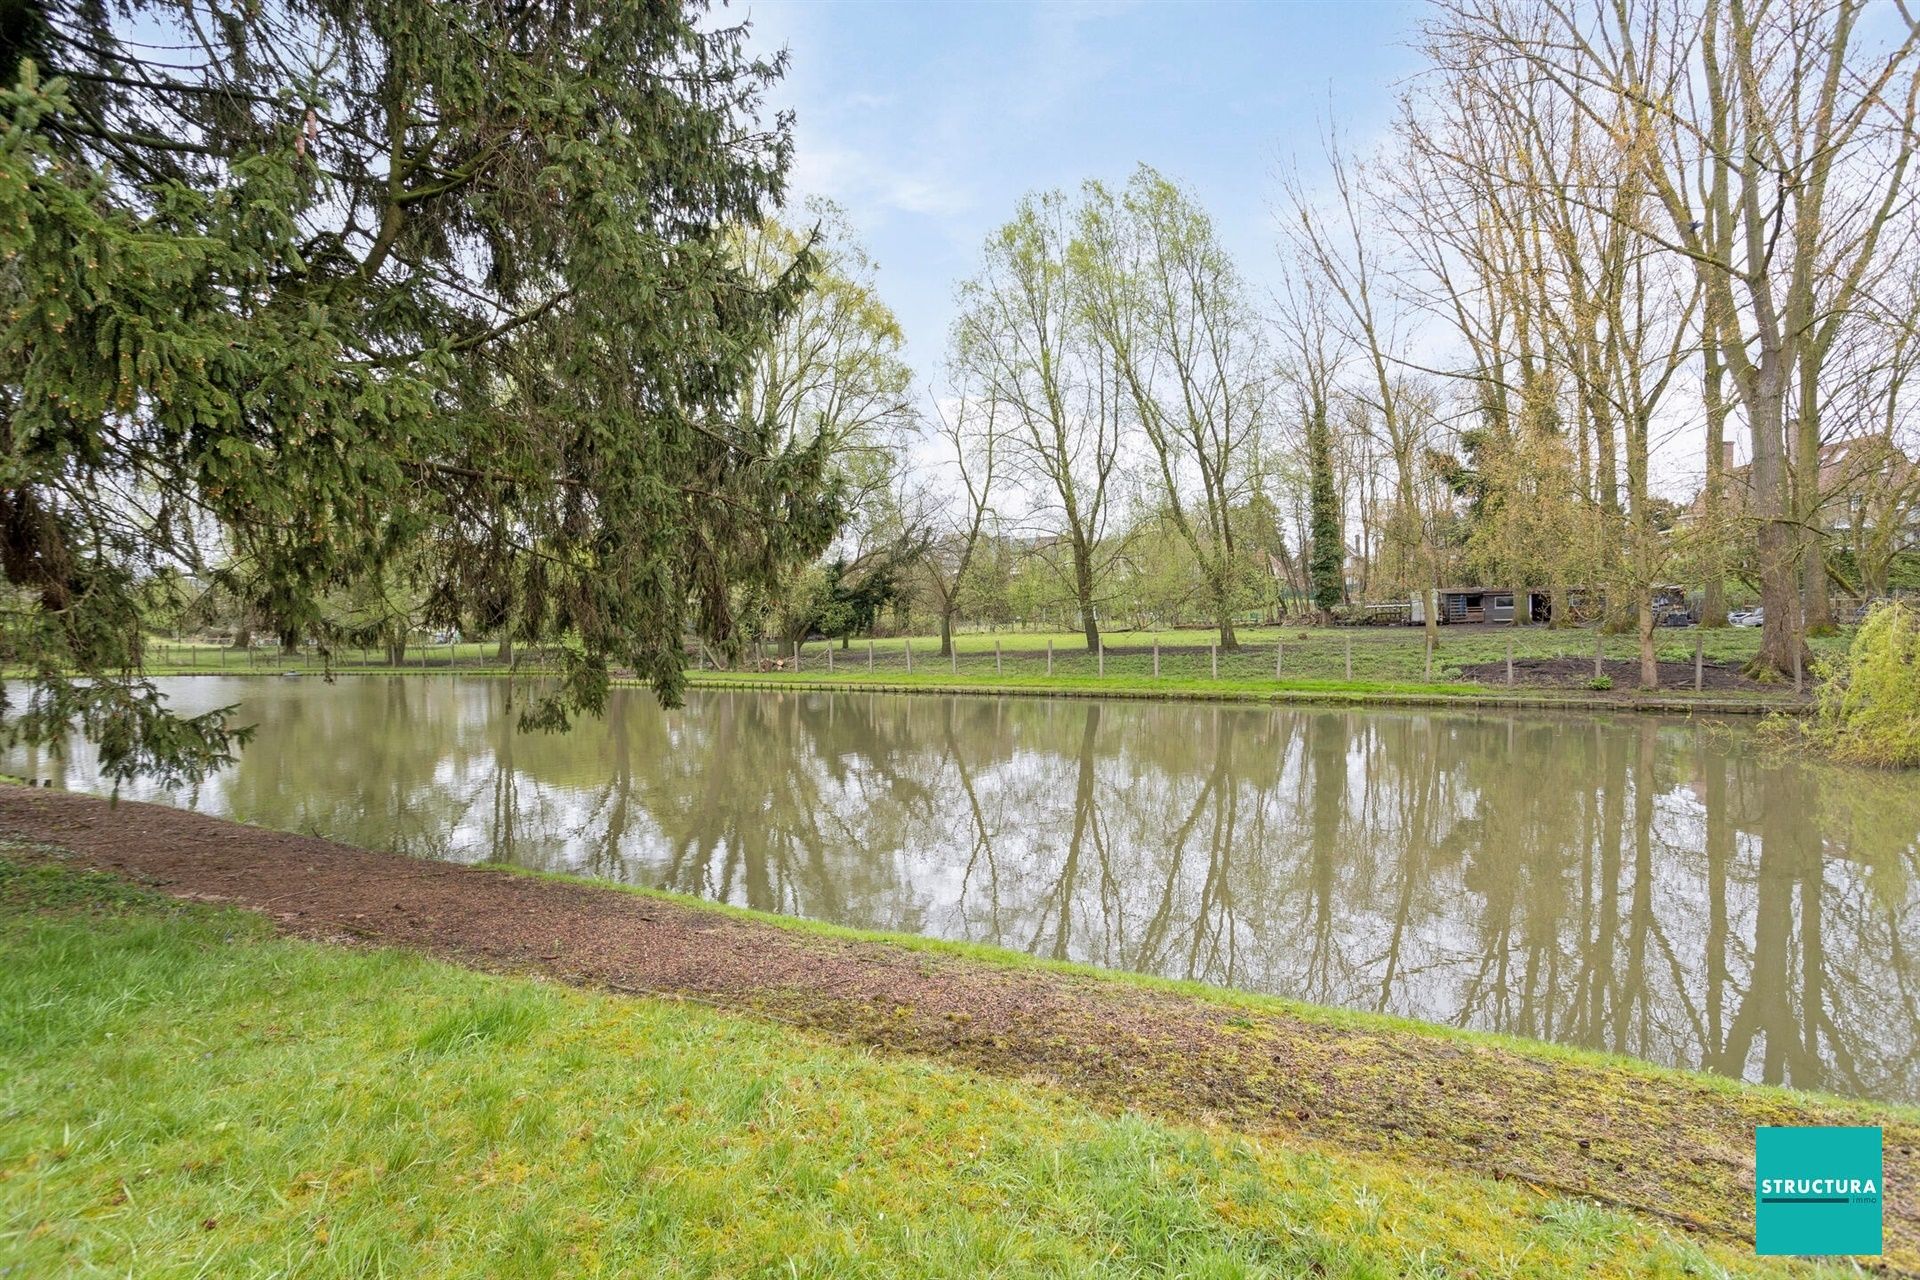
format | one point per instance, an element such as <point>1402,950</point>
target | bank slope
<point>1668,1150</point>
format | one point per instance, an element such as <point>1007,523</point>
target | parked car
<point>1755,617</point>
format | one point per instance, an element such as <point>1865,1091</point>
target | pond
<point>1650,887</point>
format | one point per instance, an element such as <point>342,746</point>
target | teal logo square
<point>1816,1189</point>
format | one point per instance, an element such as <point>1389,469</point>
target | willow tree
<point>833,379</point>
<point>342,281</point>
<point>1170,314</point>
<point>1022,344</point>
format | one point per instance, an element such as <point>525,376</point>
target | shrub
<point>1600,684</point>
<point>1866,707</point>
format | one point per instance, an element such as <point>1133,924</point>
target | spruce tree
<point>304,288</point>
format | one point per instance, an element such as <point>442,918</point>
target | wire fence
<point>475,655</point>
<point>1493,656</point>
<point>1499,656</point>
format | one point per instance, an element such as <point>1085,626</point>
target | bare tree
<point>1314,354</point>
<point>1022,343</point>
<point>970,440</point>
<point>1337,244</point>
<point>1783,144</point>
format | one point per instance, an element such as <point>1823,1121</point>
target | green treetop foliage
<point>832,377</point>
<point>331,284</point>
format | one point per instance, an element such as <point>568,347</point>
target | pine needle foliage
<point>325,284</point>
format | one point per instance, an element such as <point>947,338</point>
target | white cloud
<point>859,179</point>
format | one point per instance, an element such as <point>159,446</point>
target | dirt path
<point>1662,1145</point>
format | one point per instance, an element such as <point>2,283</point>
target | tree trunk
<point>946,632</point>
<point>503,652</point>
<point>1873,574</point>
<point>1713,602</point>
<point>396,653</point>
<point>1649,665</point>
<point>243,636</point>
<point>1083,592</point>
<point>1780,637</point>
<point>1816,613</point>
<point>1815,604</point>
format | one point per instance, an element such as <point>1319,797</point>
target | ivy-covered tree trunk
<point>1326,564</point>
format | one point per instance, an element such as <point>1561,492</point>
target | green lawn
<point>1353,659</point>
<point>1353,662</point>
<point>185,1094</point>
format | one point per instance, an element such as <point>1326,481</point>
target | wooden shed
<point>1466,605</point>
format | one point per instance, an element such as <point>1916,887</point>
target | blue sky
<point>928,121</point>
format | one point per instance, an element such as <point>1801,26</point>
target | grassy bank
<point>1396,654</point>
<point>1365,664</point>
<point>187,1094</point>
<point>1194,688</point>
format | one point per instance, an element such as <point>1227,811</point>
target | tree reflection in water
<point>1647,887</point>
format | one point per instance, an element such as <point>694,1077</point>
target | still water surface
<point>1649,887</point>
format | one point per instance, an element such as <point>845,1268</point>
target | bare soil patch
<point>1653,1143</point>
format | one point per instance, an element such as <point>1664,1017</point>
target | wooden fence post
<point>1429,659</point>
<point>996,656</point>
<point>1349,657</point>
<point>1509,662</point>
<point>1049,657</point>
<point>1156,657</point>
<point>829,656</point>
<point>909,643</point>
<point>1796,670</point>
<point>1699,660</point>
<point>869,655</point>
<point>1213,656</point>
<point>1279,657</point>
<point>1102,646</point>
<point>1599,650</point>
<point>953,656</point>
